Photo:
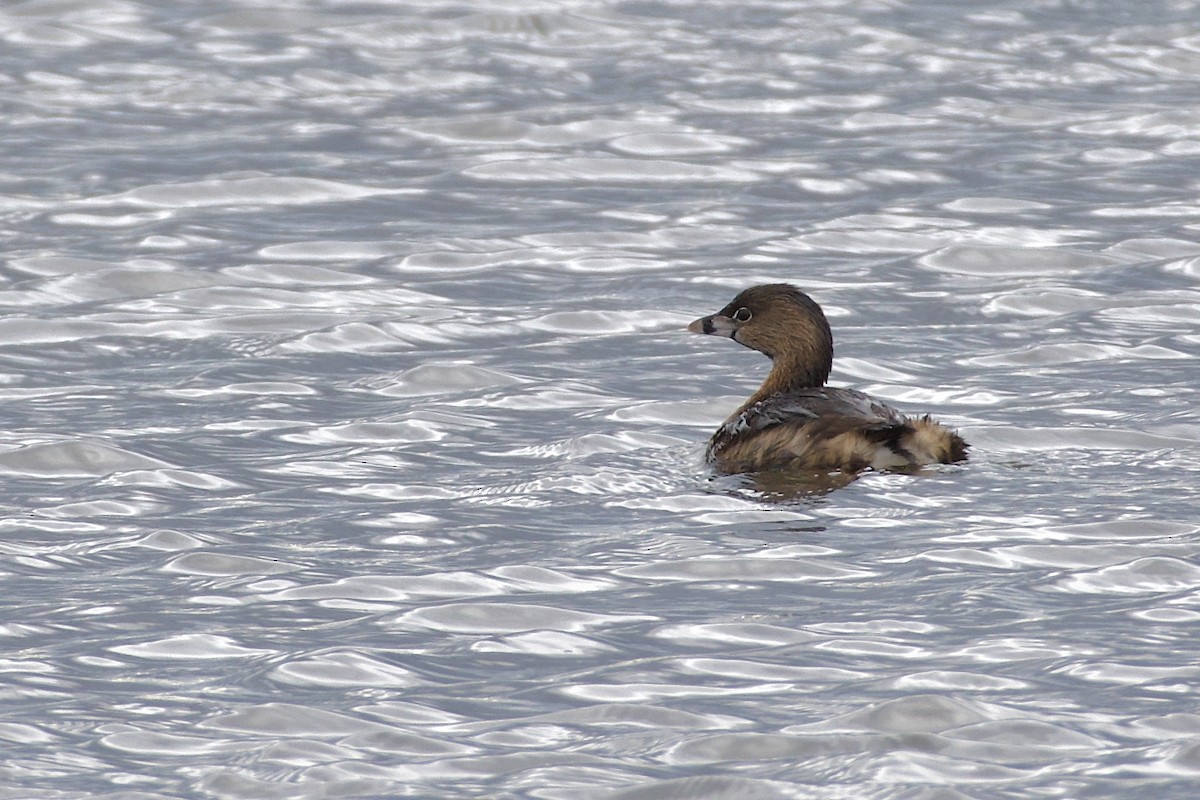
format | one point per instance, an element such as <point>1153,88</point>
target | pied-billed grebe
<point>795,422</point>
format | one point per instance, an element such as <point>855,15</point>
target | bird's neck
<point>790,372</point>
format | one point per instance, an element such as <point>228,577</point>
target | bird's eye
<point>742,314</point>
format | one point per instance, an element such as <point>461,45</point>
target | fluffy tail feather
<point>929,442</point>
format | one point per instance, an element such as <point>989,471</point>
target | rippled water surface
<point>352,443</point>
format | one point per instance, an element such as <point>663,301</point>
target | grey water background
<point>352,444</point>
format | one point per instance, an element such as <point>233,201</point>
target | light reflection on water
<point>353,441</point>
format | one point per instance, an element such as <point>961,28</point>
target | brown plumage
<point>795,422</point>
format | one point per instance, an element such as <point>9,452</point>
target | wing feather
<point>810,416</point>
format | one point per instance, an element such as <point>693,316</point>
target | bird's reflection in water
<point>777,486</point>
<point>798,486</point>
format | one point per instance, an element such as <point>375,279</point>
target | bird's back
<point>828,429</point>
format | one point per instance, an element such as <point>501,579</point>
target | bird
<point>794,422</point>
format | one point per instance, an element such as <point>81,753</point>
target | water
<point>352,442</point>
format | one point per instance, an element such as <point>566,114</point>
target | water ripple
<point>354,440</point>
